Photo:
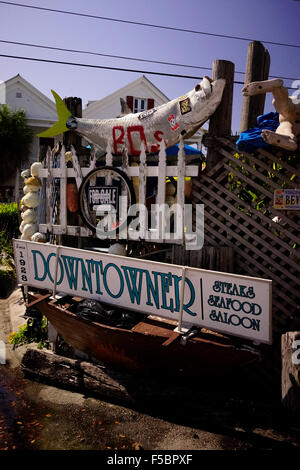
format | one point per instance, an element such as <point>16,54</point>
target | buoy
<point>38,237</point>
<point>33,183</point>
<point>117,249</point>
<point>72,197</point>
<point>29,216</point>
<point>35,168</point>
<point>31,200</point>
<point>28,231</point>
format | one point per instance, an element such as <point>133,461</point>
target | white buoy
<point>35,168</point>
<point>29,230</point>
<point>31,200</point>
<point>117,249</point>
<point>38,237</point>
<point>29,216</point>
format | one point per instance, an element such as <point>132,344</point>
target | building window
<point>18,94</point>
<point>139,104</point>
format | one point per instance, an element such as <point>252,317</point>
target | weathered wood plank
<point>142,192</point>
<point>171,170</point>
<point>105,382</point>
<point>161,192</point>
<point>75,172</point>
<point>181,174</point>
<point>80,375</point>
<point>70,230</point>
<point>290,376</point>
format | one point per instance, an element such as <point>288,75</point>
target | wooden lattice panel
<point>266,241</point>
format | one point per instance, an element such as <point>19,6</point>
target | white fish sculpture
<point>181,116</point>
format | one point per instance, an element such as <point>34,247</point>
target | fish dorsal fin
<point>124,108</point>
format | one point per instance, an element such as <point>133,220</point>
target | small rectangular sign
<point>229,303</point>
<point>102,198</point>
<point>287,199</point>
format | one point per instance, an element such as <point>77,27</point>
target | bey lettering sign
<point>232,304</point>
<point>288,199</point>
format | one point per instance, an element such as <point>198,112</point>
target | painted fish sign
<point>232,304</point>
<point>181,116</point>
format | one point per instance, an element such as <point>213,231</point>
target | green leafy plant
<point>15,140</point>
<point>8,230</point>
<point>9,220</point>
<point>27,334</point>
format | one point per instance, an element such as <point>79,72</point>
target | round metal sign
<point>105,195</point>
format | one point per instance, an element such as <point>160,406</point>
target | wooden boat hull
<point>151,345</point>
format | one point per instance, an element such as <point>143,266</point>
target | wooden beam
<point>96,379</point>
<point>83,376</point>
<point>257,69</point>
<point>220,122</point>
<point>39,300</point>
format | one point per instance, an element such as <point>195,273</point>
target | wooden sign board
<point>232,304</point>
<point>288,199</point>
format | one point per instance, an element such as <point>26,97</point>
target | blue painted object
<point>251,139</point>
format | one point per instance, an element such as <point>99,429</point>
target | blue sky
<point>269,20</point>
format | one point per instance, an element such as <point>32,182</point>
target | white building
<point>40,111</point>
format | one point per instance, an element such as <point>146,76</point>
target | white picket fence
<point>56,223</point>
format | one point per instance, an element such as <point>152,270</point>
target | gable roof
<point>93,107</point>
<point>19,79</point>
<point>36,105</point>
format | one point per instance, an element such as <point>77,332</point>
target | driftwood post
<point>220,122</point>
<point>290,377</point>
<point>257,69</point>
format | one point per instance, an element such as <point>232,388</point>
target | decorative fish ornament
<point>181,116</point>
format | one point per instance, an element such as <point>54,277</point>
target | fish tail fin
<point>63,114</point>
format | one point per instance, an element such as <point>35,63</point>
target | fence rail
<point>58,174</point>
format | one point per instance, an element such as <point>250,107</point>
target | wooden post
<point>290,377</point>
<point>220,122</point>
<point>74,105</point>
<point>257,69</point>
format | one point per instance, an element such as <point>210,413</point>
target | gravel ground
<point>37,416</point>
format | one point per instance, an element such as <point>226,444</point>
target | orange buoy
<point>72,197</point>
